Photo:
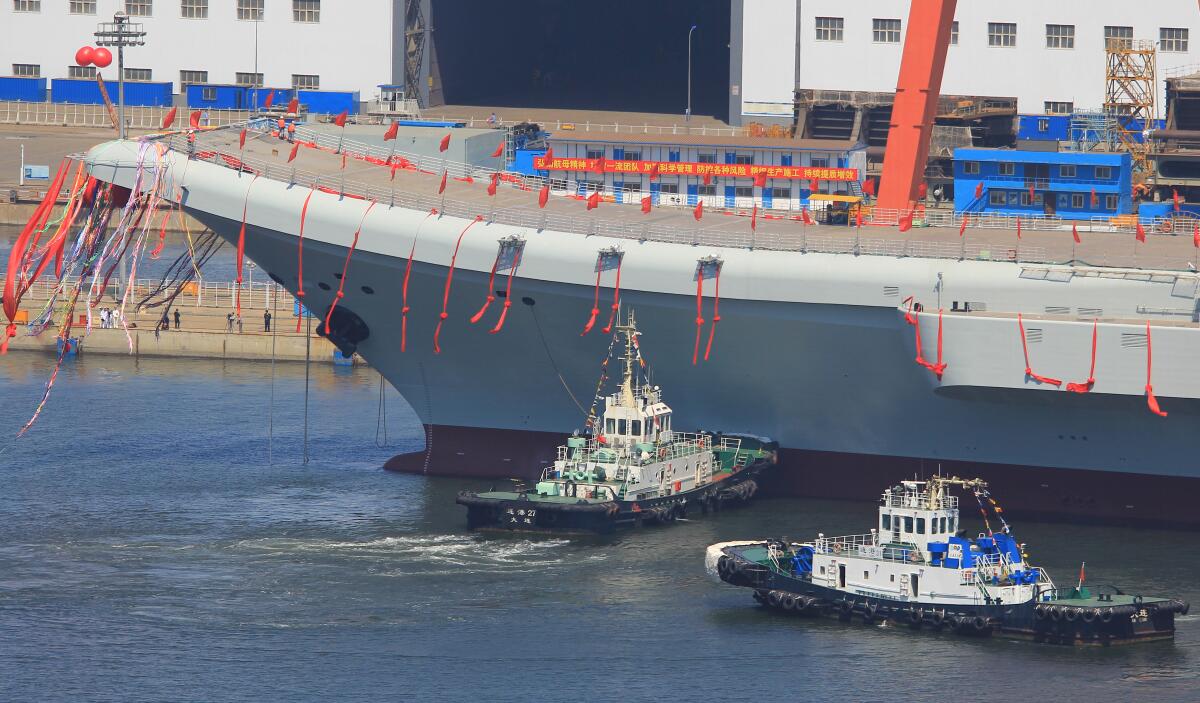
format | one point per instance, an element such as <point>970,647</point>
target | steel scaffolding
<point>1130,97</point>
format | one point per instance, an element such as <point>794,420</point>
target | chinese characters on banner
<point>690,168</point>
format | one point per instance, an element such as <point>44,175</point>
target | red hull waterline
<point>1072,495</point>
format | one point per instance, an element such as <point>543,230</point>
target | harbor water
<point>164,540</point>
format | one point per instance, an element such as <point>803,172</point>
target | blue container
<point>145,93</point>
<point>77,91</point>
<point>73,347</point>
<point>329,102</point>
<point>29,90</point>
<point>255,97</point>
<point>216,97</point>
<point>340,359</point>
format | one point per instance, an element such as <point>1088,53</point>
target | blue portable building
<point>1044,127</point>
<point>29,90</point>
<point>329,102</point>
<point>233,97</point>
<point>87,92</point>
<point>1019,182</point>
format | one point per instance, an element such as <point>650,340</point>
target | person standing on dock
<point>177,317</point>
<point>266,320</point>
<point>229,323</point>
<point>165,322</point>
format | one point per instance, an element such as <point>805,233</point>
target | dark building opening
<point>626,55</point>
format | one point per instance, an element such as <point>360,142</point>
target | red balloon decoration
<point>85,56</point>
<point>102,57</point>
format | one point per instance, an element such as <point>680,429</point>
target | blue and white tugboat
<point>634,469</point>
<point>916,567</point>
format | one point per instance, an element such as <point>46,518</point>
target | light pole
<point>120,33</point>
<point>688,115</point>
<point>254,107</point>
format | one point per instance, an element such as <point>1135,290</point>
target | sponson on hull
<point>917,567</point>
<point>634,469</point>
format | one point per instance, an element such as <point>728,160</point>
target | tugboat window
<point>612,426</point>
<point>887,522</point>
<point>620,427</point>
<point>908,524</point>
<point>637,428</point>
<point>920,525</point>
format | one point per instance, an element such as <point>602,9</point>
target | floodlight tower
<point>120,33</point>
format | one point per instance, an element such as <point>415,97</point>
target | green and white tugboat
<point>632,469</point>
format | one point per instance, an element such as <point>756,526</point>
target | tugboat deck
<point>466,196</point>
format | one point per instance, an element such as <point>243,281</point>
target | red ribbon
<point>507,293</point>
<point>616,303</point>
<point>1091,381</point>
<point>241,244</point>
<point>1151,401</point>
<point>490,287</point>
<point>940,366</point>
<point>300,260</point>
<point>346,266</point>
<point>437,331</point>
<point>595,301</point>
<point>404,289</point>
<point>1025,348</point>
<point>699,311</point>
<point>712,331</point>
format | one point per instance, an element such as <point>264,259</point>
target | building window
<point>193,9</point>
<point>208,94</point>
<point>595,153</point>
<point>781,192</point>
<point>632,187</point>
<point>669,188</point>
<point>1043,124</point>
<point>1077,201</point>
<point>1007,168</point>
<point>27,5</point>
<point>1103,173</point>
<point>744,191</point>
<point>632,156</point>
<point>819,162</point>
<point>1056,107</point>
<point>970,168</point>
<point>139,8</point>
<point>954,33</point>
<point>830,28</point>
<point>137,74</point>
<point>81,71</point>
<point>1060,36</point>
<point>249,80</point>
<point>187,78</point>
<point>306,10</point>
<point>706,158</point>
<point>709,190</point>
<point>996,197</point>
<point>743,159</point>
<point>27,70</point>
<point>303,81</point>
<point>885,31</point>
<point>1037,198</point>
<point>1066,171</point>
<point>1169,38</point>
<point>82,7</point>
<point>251,10</point>
<point>1110,202</point>
<point>1117,37</point>
<point>1002,34</point>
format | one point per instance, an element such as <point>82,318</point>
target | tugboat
<point>632,469</point>
<point>917,568</point>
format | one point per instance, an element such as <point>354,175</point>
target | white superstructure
<point>1055,56</point>
<point>346,46</point>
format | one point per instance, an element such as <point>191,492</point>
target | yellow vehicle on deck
<point>831,209</point>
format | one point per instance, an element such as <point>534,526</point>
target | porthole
<point>323,285</point>
<point>337,276</point>
<point>368,290</point>
<point>528,301</point>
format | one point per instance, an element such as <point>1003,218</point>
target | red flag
<point>194,119</point>
<point>1141,233</point>
<point>442,185</point>
<point>549,153</point>
<point>804,217</point>
<point>1075,233</point>
<point>922,191</point>
<point>858,219</point>
<point>1081,574</point>
<point>1196,237</point>
<point>391,132</point>
<point>293,106</point>
<point>491,189</point>
<point>754,219</point>
<point>445,143</point>
<point>600,164</point>
<point>760,180</point>
<point>499,151</point>
<point>962,228</point>
<point>242,139</point>
<point>868,186</point>
<point>707,178</point>
<point>295,149</point>
<point>814,186</point>
<point>699,211</point>
<point>906,222</point>
<point>270,99</point>
<point>1095,198</point>
<point>654,171</point>
<point>1018,227</point>
<point>979,189</point>
<point>544,196</point>
<point>1175,198</point>
<point>593,200</point>
<point>646,203</point>
<point>169,118</point>
<point>340,120</point>
<point>1031,194</point>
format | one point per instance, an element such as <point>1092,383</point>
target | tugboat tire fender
<point>774,598</point>
<point>1185,606</point>
<point>1106,615</point>
<point>1056,613</point>
<point>790,602</point>
<point>979,623</point>
<point>760,596</point>
<point>1039,612</point>
<point>938,617</point>
<point>1088,615</point>
<point>847,606</point>
<point>916,615</point>
<point>1070,614</point>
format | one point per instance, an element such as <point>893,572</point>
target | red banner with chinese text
<point>690,168</point>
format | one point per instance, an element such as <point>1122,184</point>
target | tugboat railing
<point>868,547</point>
<point>916,499</point>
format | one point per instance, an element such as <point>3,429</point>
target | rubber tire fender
<point>868,614</point>
<point>1039,612</point>
<point>1070,614</point>
<point>979,623</point>
<point>847,606</point>
<point>760,596</point>
<point>1056,613</point>
<point>774,598</point>
<point>938,617</point>
<point>1088,615</point>
<point>1106,615</point>
<point>915,615</point>
<point>788,602</point>
<point>723,565</point>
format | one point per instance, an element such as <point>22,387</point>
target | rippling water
<point>151,552</point>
